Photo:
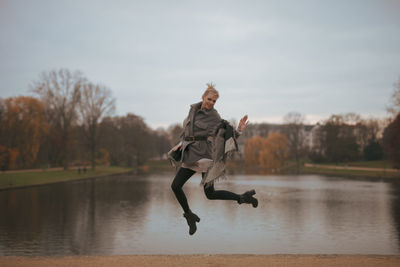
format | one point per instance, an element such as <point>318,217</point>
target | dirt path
<point>349,168</point>
<point>204,260</point>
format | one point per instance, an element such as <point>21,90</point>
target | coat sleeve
<point>237,133</point>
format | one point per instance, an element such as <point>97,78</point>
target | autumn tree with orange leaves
<point>252,150</point>
<point>269,153</point>
<point>273,152</point>
<point>23,125</point>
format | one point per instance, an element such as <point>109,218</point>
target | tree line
<point>339,139</point>
<point>70,121</point>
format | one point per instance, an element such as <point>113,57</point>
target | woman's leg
<point>180,179</point>
<point>247,197</point>
<point>211,193</point>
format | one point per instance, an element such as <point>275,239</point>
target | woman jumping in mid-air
<point>196,147</point>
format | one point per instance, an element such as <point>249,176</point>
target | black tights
<point>181,178</point>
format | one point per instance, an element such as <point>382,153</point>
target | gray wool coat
<point>199,123</point>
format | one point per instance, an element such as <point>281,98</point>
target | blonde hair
<point>211,90</point>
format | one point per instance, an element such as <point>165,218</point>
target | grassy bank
<point>381,169</point>
<point>349,172</point>
<point>11,180</point>
<point>377,169</point>
<point>368,164</point>
<point>239,166</point>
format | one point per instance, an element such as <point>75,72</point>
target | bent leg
<point>213,194</point>
<point>180,179</point>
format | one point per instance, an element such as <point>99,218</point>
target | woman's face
<point>209,101</point>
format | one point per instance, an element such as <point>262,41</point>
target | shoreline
<point>337,167</point>
<point>203,260</point>
<point>352,176</point>
<point>64,181</point>
<point>307,169</point>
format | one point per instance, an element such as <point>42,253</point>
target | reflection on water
<point>140,215</point>
<point>395,208</point>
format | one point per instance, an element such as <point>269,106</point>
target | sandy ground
<point>204,260</point>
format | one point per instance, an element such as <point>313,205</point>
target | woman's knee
<point>209,192</point>
<point>175,187</point>
<point>180,179</point>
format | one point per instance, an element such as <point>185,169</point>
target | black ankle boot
<point>248,198</point>
<point>191,219</point>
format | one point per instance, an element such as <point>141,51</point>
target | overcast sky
<point>267,58</point>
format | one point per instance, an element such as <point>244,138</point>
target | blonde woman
<point>196,147</point>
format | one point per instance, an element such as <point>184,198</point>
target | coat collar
<point>197,107</point>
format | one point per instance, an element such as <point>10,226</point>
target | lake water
<point>138,214</point>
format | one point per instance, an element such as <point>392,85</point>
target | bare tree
<point>96,103</point>
<point>136,136</point>
<point>339,139</point>
<point>394,106</point>
<point>60,91</point>
<point>161,142</point>
<point>295,133</point>
<point>352,118</point>
<point>175,133</point>
<point>3,110</point>
<point>128,139</point>
<point>391,141</point>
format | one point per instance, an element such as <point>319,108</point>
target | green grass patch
<point>9,180</point>
<point>372,164</point>
<point>346,172</point>
<point>367,164</point>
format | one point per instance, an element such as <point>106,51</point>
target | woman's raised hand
<point>243,123</point>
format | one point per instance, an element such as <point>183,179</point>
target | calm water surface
<point>139,215</point>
